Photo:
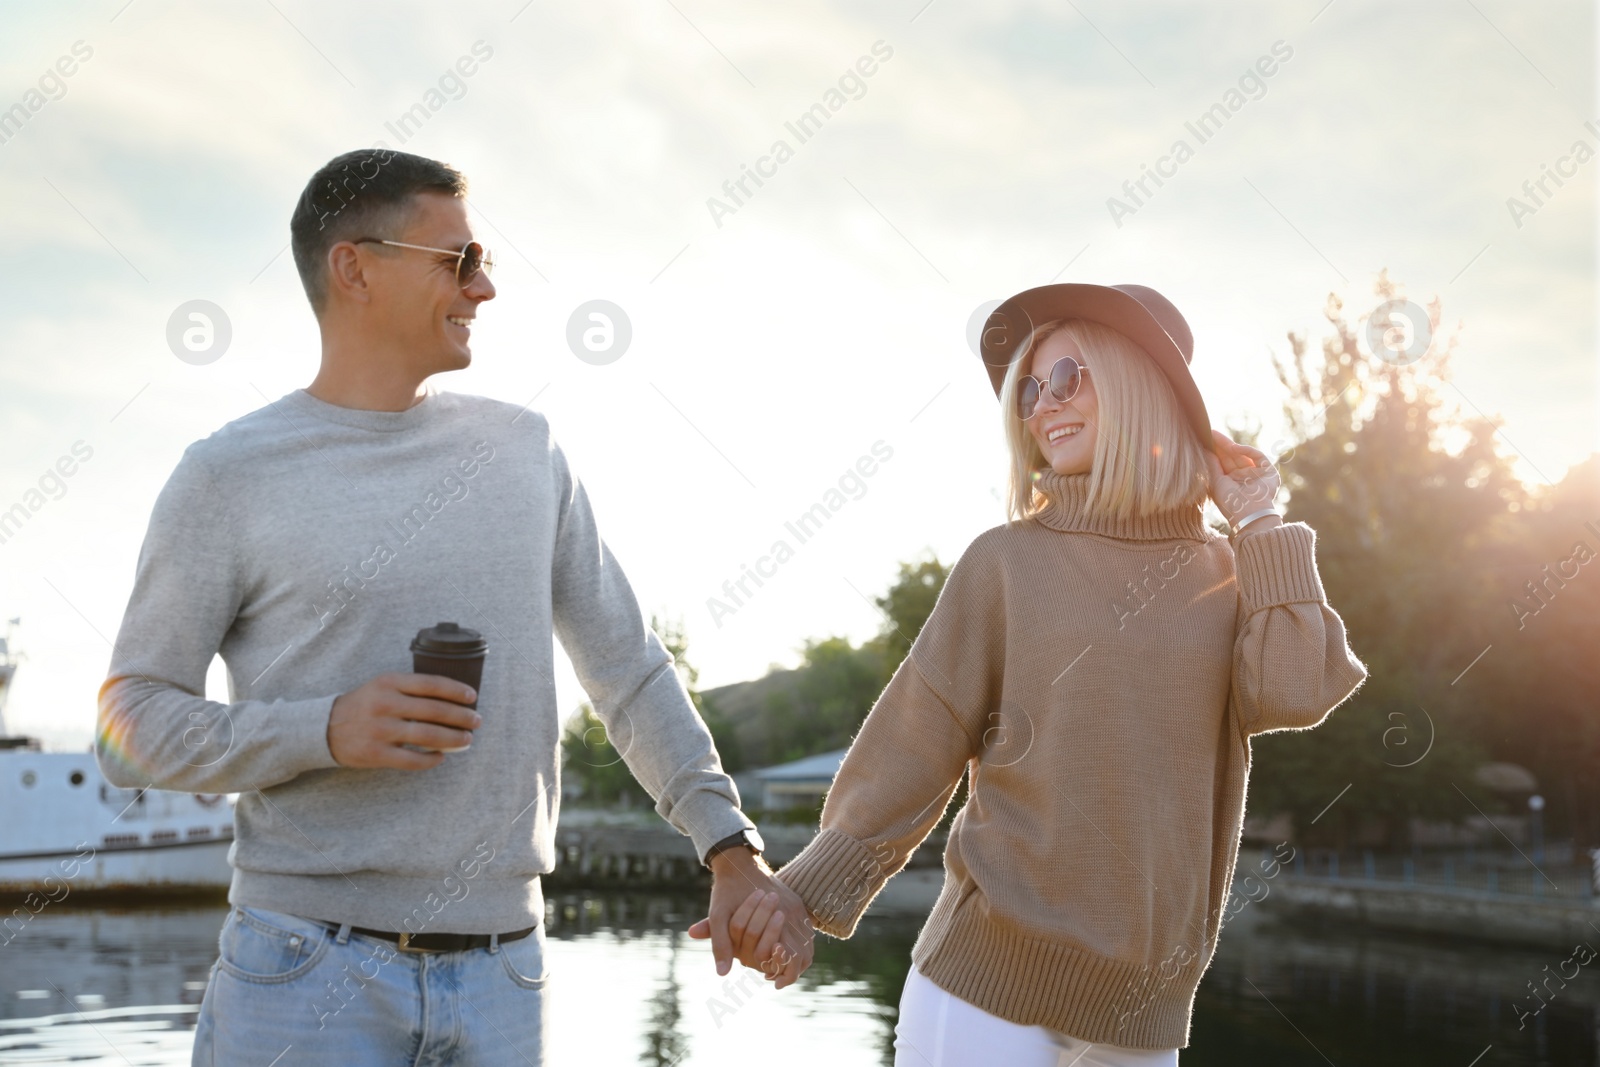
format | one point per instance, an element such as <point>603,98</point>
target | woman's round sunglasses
<point>472,257</point>
<point>1065,378</point>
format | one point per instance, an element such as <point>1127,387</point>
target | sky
<point>778,336</point>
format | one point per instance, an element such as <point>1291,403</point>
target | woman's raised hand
<point>1242,479</point>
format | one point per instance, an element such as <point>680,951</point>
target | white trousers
<point>937,1029</point>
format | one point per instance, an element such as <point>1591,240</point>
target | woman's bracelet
<point>1253,516</point>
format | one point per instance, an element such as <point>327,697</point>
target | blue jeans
<point>305,993</point>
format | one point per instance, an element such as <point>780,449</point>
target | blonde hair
<point>1146,457</point>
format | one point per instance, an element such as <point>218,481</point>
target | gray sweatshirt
<point>308,543</point>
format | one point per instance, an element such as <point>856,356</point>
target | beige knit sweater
<point>1098,680</point>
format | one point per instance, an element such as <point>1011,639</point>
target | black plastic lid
<point>449,639</point>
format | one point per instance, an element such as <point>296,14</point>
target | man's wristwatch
<point>749,839</point>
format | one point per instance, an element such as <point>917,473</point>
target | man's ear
<point>346,276</point>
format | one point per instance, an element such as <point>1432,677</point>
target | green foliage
<point>1540,681</point>
<point>675,636</point>
<point>838,682</point>
<point>797,815</point>
<point>1407,532</point>
<point>834,688</point>
<point>729,746</point>
<point>906,607</point>
<point>589,756</point>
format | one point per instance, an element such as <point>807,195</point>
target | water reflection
<point>1297,995</point>
<point>842,1010</point>
<point>67,959</point>
<point>109,985</point>
<point>665,1042</point>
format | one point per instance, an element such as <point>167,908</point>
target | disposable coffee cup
<point>453,651</point>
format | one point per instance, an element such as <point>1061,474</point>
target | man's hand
<point>755,919</point>
<point>368,726</point>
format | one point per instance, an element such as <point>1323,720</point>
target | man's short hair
<point>365,193</point>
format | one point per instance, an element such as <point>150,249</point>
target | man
<point>390,837</point>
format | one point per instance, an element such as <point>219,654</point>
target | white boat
<point>65,829</point>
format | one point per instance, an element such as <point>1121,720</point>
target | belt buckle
<point>404,945</point>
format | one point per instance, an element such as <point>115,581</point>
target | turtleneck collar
<point>1066,509</point>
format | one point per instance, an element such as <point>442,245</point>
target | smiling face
<point>425,313</point>
<point>1066,432</point>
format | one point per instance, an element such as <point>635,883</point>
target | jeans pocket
<point>257,945</point>
<point>524,960</point>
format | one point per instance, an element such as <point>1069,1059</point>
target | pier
<point>602,850</point>
<point>1484,896</point>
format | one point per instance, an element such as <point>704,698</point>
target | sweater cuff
<point>706,817</point>
<point>837,877</point>
<point>305,732</point>
<point>1278,566</point>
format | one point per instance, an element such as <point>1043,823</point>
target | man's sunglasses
<point>472,257</point>
<point>1065,378</point>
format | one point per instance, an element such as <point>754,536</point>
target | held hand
<point>755,919</point>
<point>368,726</point>
<point>1242,481</point>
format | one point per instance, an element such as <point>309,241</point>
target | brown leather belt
<point>408,942</point>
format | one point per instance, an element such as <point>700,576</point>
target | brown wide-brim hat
<point>1137,312</point>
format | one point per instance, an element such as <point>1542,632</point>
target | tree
<point>1406,530</point>
<point>589,755</point>
<point>832,692</point>
<point>838,682</point>
<point>1541,676</point>
<point>818,706</point>
<point>675,636</point>
<point>906,607</point>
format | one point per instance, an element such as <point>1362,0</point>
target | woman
<point>1095,667</point>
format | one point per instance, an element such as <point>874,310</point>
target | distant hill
<point>788,714</point>
<point>744,708</point>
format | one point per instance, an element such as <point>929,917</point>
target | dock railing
<point>1559,871</point>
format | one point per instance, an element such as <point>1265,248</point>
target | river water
<point>121,986</point>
